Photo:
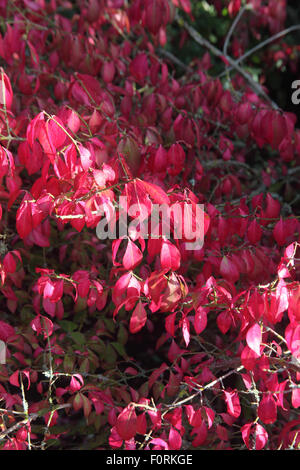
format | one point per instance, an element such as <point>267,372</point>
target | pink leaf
<point>200,321</point>
<point>253,338</point>
<point>186,331</point>
<point>296,397</point>
<point>159,444</point>
<point>175,440</point>
<point>132,257</point>
<point>169,256</point>
<point>233,403</point>
<point>261,437</point>
<point>210,416</point>
<point>76,383</point>
<point>6,93</point>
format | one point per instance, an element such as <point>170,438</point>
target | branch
<point>174,59</point>
<point>202,389</point>
<point>233,26</point>
<point>30,418</point>
<point>205,43</point>
<point>261,45</point>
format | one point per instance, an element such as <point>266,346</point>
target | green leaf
<point>69,363</point>
<point>110,355</point>
<point>122,335</point>
<point>98,347</point>
<point>78,337</point>
<point>110,325</point>
<point>120,349</point>
<point>67,325</point>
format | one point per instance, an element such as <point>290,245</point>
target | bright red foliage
<point>135,336</point>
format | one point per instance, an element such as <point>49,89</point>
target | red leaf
<point>201,434</point>
<point>267,409</point>
<point>142,424</point>
<point>42,325</point>
<point>186,330</point>
<point>175,440</point>
<point>292,336</point>
<point>156,193</point>
<point>132,257</point>
<point>24,222</point>
<point>6,331</point>
<point>138,318</point>
<point>229,270</point>
<point>186,5</point>
<point>233,403</point>
<point>246,430</point>
<point>6,94</point>
<point>14,379</point>
<point>87,160</point>
<point>210,416</point>
<point>254,232</point>
<point>9,263</point>
<point>169,256</point>
<point>224,321</point>
<point>115,441</point>
<point>76,383</point>
<point>170,324</point>
<point>253,338</point>
<point>91,90</point>
<point>126,425</point>
<point>159,444</point>
<point>261,436</point>
<point>249,358</point>
<point>173,384</point>
<point>296,397</point>
<point>154,376</point>
<point>139,67</point>
<point>222,433</point>
<point>279,232</point>
<point>137,199</point>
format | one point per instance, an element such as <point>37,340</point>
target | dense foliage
<point>138,343</point>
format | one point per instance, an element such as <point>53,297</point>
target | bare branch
<point>233,26</point>
<point>205,43</point>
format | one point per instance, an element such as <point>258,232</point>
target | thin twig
<point>205,43</point>
<point>261,45</point>
<point>273,38</point>
<point>202,389</point>
<point>174,59</point>
<point>28,419</point>
<point>233,26</point>
<point>16,426</point>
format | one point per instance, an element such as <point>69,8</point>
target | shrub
<point>140,342</point>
